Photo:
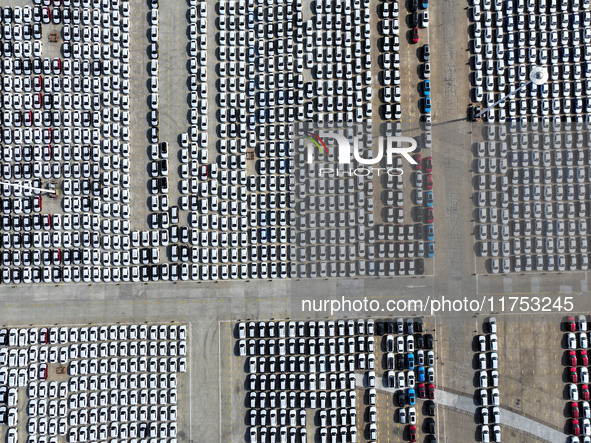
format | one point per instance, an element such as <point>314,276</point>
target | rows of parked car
<point>488,383</point>
<point>531,199</point>
<point>577,342</point>
<point>66,125</point>
<point>122,381</point>
<point>92,241</point>
<point>389,59</point>
<point>214,191</point>
<point>409,363</point>
<point>162,211</point>
<point>339,230</point>
<point>509,38</point>
<point>305,364</point>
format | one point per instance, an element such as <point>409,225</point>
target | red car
<point>419,160</point>
<point>422,390</point>
<point>412,433</point>
<point>585,390</point>
<point>429,181</point>
<point>415,35</point>
<point>574,409</point>
<point>573,375</point>
<point>576,427</point>
<point>571,325</point>
<point>583,358</point>
<point>28,118</point>
<point>572,358</point>
<point>43,371</point>
<point>428,165</point>
<point>430,216</point>
<point>43,335</point>
<point>431,389</point>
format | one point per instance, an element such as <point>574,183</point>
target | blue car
<point>425,4</point>
<point>429,198</point>
<point>410,361</point>
<point>430,249</point>
<point>430,233</point>
<point>421,373</point>
<point>411,396</point>
<point>427,88</point>
<point>427,105</point>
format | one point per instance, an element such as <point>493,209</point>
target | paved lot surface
<point>531,371</point>
<point>139,121</point>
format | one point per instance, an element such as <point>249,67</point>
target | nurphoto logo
<point>387,147</point>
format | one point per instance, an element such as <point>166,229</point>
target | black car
<point>431,439</point>
<point>389,345</point>
<point>429,341</point>
<point>390,327</point>
<point>399,361</point>
<point>419,325</point>
<point>413,5</point>
<point>419,341</point>
<point>420,266</point>
<point>391,380</point>
<point>430,425</point>
<point>389,361</point>
<point>414,19</point>
<point>430,408</point>
<point>421,229</point>
<point>400,398</point>
<point>164,149</point>
<point>380,328</point>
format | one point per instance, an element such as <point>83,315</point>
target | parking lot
<point>341,386</point>
<point>80,383</point>
<point>211,154</point>
<point>532,166</point>
<point>529,379</point>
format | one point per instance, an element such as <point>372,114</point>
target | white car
<point>154,34</point>
<point>424,19</point>
<point>571,340</point>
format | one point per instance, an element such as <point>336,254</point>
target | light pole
<point>538,76</point>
